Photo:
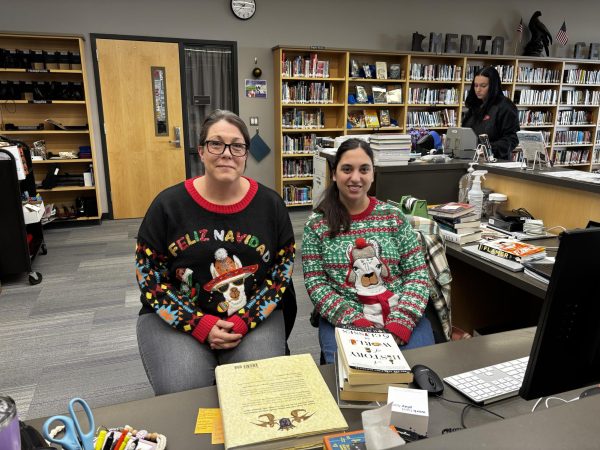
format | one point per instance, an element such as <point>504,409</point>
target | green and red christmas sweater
<point>379,250</point>
<point>198,262</point>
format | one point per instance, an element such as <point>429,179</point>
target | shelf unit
<point>559,97</point>
<point>54,62</point>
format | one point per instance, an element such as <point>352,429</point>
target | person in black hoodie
<point>490,112</point>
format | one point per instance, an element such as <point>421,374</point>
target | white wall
<point>360,24</point>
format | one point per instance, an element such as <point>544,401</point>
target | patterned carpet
<point>74,334</point>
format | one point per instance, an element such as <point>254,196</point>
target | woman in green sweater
<point>361,260</point>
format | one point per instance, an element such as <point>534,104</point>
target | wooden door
<point>140,163</point>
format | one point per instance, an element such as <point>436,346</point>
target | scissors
<point>74,438</point>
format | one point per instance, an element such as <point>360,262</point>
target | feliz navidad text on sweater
<point>200,236</point>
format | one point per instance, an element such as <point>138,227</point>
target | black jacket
<point>501,124</point>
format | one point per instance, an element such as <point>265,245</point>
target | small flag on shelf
<point>520,29</point>
<point>562,36</point>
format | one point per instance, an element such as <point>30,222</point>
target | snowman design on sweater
<point>366,274</point>
<point>228,279</point>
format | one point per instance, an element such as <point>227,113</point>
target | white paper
<point>14,150</point>
<point>378,434</point>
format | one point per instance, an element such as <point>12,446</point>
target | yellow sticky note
<point>217,430</point>
<point>204,422</point>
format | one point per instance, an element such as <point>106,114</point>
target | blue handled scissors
<point>74,438</point>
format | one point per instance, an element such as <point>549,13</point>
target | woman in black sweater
<point>490,112</point>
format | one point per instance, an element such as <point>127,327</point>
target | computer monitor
<point>566,349</point>
<point>461,142</point>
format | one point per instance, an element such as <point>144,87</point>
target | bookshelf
<point>44,77</point>
<point>559,97</point>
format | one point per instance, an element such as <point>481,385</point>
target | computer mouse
<point>591,391</point>
<point>427,379</point>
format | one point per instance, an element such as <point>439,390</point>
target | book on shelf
<point>395,72</point>
<point>361,94</point>
<point>274,403</point>
<point>513,250</point>
<point>461,238</point>
<point>371,356</point>
<point>451,210</point>
<point>371,120</point>
<point>356,119</point>
<point>381,70</point>
<point>394,96</point>
<point>384,118</point>
<point>379,94</point>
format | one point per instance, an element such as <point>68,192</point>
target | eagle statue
<point>540,37</point>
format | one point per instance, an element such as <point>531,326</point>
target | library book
<point>276,403</point>
<point>371,356</point>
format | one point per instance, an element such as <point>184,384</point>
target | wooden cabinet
<point>43,81</point>
<point>559,97</point>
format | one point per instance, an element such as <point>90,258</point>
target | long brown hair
<point>335,213</point>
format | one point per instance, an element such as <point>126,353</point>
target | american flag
<point>519,36</point>
<point>562,36</point>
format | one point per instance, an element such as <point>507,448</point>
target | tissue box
<point>33,213</point>
<point>410,409</point>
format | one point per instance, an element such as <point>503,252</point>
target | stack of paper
<point>390,149</point>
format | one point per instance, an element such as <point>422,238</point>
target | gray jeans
<point>175,361</point>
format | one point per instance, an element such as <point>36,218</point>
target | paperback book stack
<point>513,250</point>
<point>367,363</point>
<point>458,222</point>
<point>390,149</point>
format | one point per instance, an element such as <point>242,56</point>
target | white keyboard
<point>493,383</point>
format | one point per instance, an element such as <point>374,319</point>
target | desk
<point>485,295</point>
<point>175,414</point>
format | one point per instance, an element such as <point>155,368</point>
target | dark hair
<point>335,213</point>
<point>222,114</point>
<point>478,108</point>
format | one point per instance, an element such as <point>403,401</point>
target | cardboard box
<point>410,409</point>
<point>33,212</point>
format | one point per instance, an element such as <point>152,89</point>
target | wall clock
<point>243,9</point>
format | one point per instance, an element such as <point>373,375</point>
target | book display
<point>277,402</point>
<point>43,84</point>
<point>558,97</point>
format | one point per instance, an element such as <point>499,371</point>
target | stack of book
<point>458,222</point>
<point>367,363</point>
<point>513,250</point>
<point>390,149</point>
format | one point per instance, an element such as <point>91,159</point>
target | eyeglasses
<point>218,148</point>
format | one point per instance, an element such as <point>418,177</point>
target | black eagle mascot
<point>540,37</point>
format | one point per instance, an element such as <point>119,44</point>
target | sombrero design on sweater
<point>226,269</point>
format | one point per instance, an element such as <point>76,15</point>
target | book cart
<point>44,97</point>
<point>559,97</point>
<point>19,242</point>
